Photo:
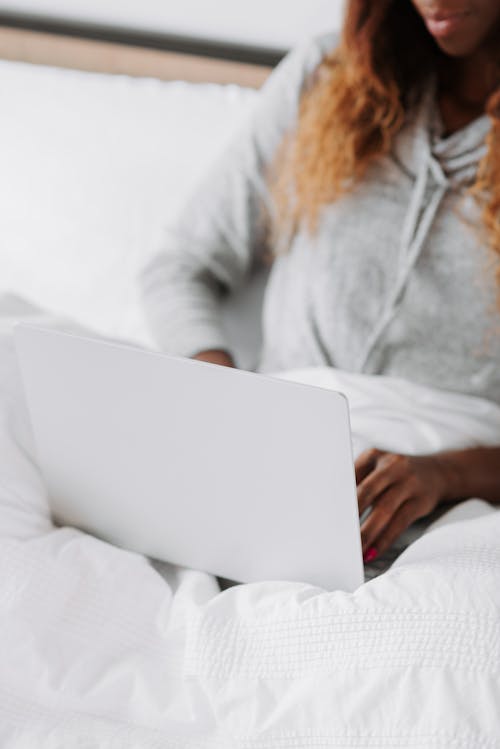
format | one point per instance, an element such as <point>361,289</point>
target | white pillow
<point>93,166</point>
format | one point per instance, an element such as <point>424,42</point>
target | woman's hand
<point>399,489</point>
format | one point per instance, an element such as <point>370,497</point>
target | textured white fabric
<point>101,648</point>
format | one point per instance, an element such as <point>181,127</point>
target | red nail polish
<point>370,554</point>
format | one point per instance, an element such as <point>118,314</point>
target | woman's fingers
<point>365,463</point>
<point>399,489</point>
<point>382,515</point>
<point>404,516</point>
<point>389,469</point>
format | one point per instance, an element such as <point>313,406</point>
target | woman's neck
<point>465,84</point>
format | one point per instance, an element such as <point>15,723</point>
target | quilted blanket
<point>101,647</point>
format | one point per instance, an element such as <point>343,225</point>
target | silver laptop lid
<point>245,476</point>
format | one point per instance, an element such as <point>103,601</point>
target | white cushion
<point>93,167</point>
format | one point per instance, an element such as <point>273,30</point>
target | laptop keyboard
<point>383,562</point>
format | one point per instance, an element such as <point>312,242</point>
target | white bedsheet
<point>101,648</point>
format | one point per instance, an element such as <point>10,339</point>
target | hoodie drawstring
<point>417,223</point>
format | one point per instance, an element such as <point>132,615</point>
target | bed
<point>100,647</point>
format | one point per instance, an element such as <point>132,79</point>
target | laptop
<point>245,476</point>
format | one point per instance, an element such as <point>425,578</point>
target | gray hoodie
<point>397,280</point>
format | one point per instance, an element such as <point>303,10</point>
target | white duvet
<point>101,648</point>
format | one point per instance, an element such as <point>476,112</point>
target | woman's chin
<point>456,47</point>
<point>458,37</point>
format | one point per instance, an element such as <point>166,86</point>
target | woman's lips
<point>445,24</point>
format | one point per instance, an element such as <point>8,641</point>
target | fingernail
<point>370,554</point>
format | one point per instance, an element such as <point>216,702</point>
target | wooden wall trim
<point>45,48</point>
<point>146,38</point>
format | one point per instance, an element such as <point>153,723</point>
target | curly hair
<point>353,107</point>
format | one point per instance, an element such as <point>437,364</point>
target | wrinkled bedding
<point>100,647</point>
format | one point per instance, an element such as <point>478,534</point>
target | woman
<point>370,172</point>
